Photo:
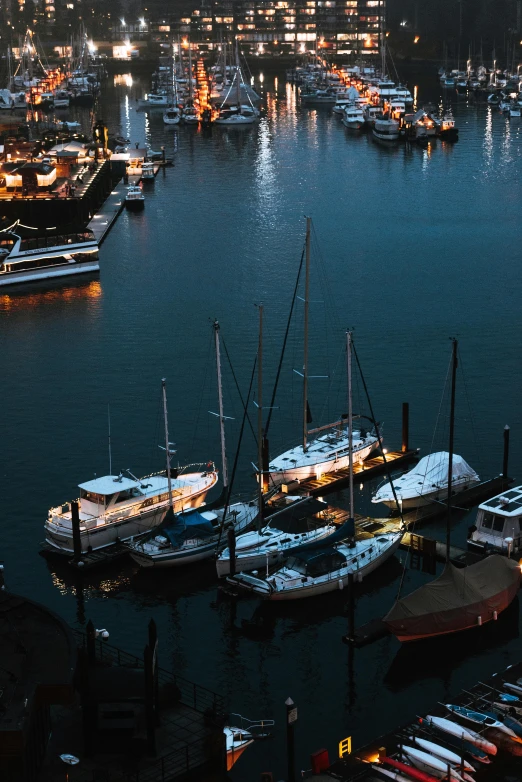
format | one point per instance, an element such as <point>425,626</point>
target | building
<point>344,27</point>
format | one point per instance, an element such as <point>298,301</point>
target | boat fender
<point>479,620</point>
<point>103,633</point>
<point>341,585</point>
<point>495,616</point>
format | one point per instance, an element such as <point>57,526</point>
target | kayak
<point>512,687</point>
<point>448,726</point>
<point>430,763</point>
<point>460,744</point>
<point>509,721</point>
<point>480,718</point>
<point>390,774</point>
<point>444,753</point>
<point>413,773</point>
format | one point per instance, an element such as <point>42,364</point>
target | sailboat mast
<point>260,411</point>
<point>166,423</point>
<point>305,360</point>
<point>454,364</point>
<point>190,71</point>
<point>220,407</point>
<point>238,86</point>
<point>350,418</point>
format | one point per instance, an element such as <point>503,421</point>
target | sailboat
<point>196,534</point>
<point>240,114</point>
<point>172,113</point>
<point>460,598</point>
<point>330,449</point>
<point>325,566</point>
<point>114,508</point>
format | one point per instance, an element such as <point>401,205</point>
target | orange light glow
<point>416,39</point>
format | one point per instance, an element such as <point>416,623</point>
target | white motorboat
<point>147,171</point>
<point>329,449</point>
<point>113,508</point>
<point>154,100</point>
<point>353,117</point>
<point>323,568</point>
<point>134,198</point>
<point>386,129</point>
<point>41,258</point>
<point>192,536</point>
<point>319,97</point>
<point>427,482</point>
<point>341,102</point>
<point>172,116</point>
<point>190,115</point>
<point>371,113</point>
<point>305,520</point>
<point>498,526</point>
<point>514,111</point>
<point>241,736</point>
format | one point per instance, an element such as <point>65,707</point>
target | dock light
<point>372,758</point>
<point>142,22</point>
<point>385,450</point>
<point>416,39</point>
<point>122,22</point>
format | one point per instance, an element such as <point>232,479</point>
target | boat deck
<point>356,767</point>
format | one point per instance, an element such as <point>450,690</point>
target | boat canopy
<point>108,484</point>
<point>317,563</point>
<point>430,473</point>
<point>352,93</point>
<point>455,599</point>
<point>180,527</point>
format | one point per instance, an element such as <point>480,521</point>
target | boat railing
<point>256,727</point>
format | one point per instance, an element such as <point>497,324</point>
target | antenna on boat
<point>305,358</point>
<point>220,407</point>
<point>110,448</point>
<point>167,444</point>
<point>350,423</point>
<point>454,365</point>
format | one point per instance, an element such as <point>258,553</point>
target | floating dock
<point>357,766</point>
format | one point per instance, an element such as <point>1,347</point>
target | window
<point>91,496</point>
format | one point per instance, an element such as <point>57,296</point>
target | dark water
<point>410,247</point>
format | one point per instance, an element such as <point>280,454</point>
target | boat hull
<point>49,272</point>
<point>321,468</point>
<point>441,495</point>
<point>136,205</point>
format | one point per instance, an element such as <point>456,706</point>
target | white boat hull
<point>49,272</point>
<point>314,470</point>
<point>353,124</point>
<point>420,501</point>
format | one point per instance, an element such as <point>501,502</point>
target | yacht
<point>114,508</point>
<point>371,113</point>
<point>147,171</point>
<point>134,198</point>
<point>353,117</point>
<point>386,129</point>
<point>154,100</point>
<point>61,99</point>
<point>171,116</point>
<point>246,115</point>
<point>190,115</point>
<point>498,526</point>
<point>40,258</point>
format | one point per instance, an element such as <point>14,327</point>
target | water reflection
<point>30,298</point>
<point>123,80</point>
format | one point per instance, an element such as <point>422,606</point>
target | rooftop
<point>509,503</point>
<point>109,484</point>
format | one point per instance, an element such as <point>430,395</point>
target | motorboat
<point>147,171</point>
<point>191,536</point>
<point>498,526</point>
<point>190,115</point>
<point>386,129</point>
<point>303,520</point>
<point>61,99</point>
<point>319,97</point>
<point>353,117</point>
<point>341,102</point>
<point>40,258</point>
<point>236,116</point>
<point>371,113</point>
<point>427,482</point>
<point>154,100</point>
<point>134,198</point>
<point>323,568</point>
<point>447,128</point>
<point>114,508</point>
<point>172,116</point>
<point>514,111</point>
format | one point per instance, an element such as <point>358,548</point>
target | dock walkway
<point>106,215</point>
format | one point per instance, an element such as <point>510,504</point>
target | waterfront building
<point>344,27</point>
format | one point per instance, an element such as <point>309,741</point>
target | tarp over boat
<point>352,93</point>
<point>180,527</point>
<point>456,599</point>
<point>430,473</point>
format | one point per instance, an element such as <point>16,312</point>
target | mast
<point>220,407</point>
<point>350,418</point>
<point>110,445</point>
<point>190,72</point>
<point>305,361</point>
<point>167,453</point>
<point>454,362</point>
<point>260,413</point>
<point>238,77</point>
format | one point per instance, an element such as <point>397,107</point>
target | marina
<point>293,243</point>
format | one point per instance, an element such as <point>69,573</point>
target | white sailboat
<point>196,535</point>
<point>238,115</point>
<point>330,449</point>
<point>114,508</point>
<point>326,566</point>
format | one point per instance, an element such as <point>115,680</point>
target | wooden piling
<point>291,717</point>
<point>405,426</point>
<point>506,452</point>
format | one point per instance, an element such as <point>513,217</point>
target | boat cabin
<point>498,523</point>
<point>107,493</point>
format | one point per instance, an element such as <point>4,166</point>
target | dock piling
<point>75,523</point>
<point>231,535</point>
<point>291,718</point>
<point>405,426</point>
<point>506,452</point>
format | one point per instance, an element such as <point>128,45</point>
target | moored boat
<point>134,198</point>
<point>498,526</point>
<point>386,129</point>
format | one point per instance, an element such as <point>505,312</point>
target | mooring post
<point>351,608</point>
<point>291,718</point>
<point>75,523</point>
<point>506,453</point>
<point>405,426</point>
<point>231,534</point>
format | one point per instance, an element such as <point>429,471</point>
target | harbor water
<point>411,247</point>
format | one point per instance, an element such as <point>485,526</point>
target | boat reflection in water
<point>50,292</point>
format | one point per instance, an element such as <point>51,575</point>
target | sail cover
<point>183,526</point>
<point>430,473</point>
<point>456,599</point>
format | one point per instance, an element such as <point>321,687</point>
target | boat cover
<point>456,599</point>
<point>352,93</point>
<point>182,526</point>
<point>431,472</point>
<point>322,561</point>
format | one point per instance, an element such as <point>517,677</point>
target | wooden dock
<point>333,481</point>
<point>106,215</point>
<point>88,561</point>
